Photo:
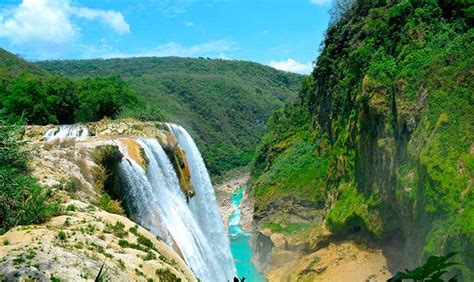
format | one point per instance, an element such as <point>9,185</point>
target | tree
<point>103,97</point>
<point>27,97</point>
<point>61,93</point>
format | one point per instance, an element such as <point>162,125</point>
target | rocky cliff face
<point>380,143</point>
<point>93,228</point>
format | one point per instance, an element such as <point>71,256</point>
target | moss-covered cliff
<point>381,140</point>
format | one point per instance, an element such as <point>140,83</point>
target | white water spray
<point>204,203</point>
<point>158,203</point>
<point>66,130</point>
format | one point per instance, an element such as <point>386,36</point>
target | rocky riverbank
<point>223,192</point>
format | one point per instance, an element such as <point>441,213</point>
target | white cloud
<point>38,20</point>
<point>172,8</point>
<point>320,2</point>
<point>215,49</point>
<point>50,21</point>
<point>292,66</point>
<point>189,24</point>
<point>111,18</point>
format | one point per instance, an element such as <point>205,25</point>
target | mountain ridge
<point>223,103</point>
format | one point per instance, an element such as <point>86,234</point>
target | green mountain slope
<point>381,140</point>
<point>224,104</point>
<point>12,65</point>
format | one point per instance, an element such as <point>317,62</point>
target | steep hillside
<point>225,104</point>
<point>11,65</point>
<point>380,144</point>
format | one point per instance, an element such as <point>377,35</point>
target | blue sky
<point>285,34</point>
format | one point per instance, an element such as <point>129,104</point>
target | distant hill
<point>224,104</point>
<point>12,65</point>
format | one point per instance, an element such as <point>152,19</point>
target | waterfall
<point>67,130</point>
<point>204,203</point>
<point>157,202</point>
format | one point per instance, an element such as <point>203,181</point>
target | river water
<point>240,242</point>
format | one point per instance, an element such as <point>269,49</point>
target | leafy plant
<point>145,241</point>
<point>22,200</point>
<point>433,270</point>
<point>62,235</point>
<point>100,275</point>
<point>166,275</point>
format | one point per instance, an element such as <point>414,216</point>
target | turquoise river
<point>240,242</point>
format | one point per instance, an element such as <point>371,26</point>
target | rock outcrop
<point>74,246</point>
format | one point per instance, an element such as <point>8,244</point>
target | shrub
<point>144,112</point>
<point>145,241</point>
<point>149,256</point>
<point>433,270</point>
<point>166,275</point>
<point>109,205</point>
<point>62,235</point>
<point>121,264</point>
<point>22,199</point>
<point>103,97</point>
<point>105,174</point>
<point>73,185</point>
<point>134,230</point>
<point>118,229</point>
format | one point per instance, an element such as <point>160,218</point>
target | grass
<point>61,235</point>
<point>106,177</point>
<point>142,240</point>
<point>288,228</point>
<point>23,200</point>
<point>121,264</point>
<point>166,275</point>
<point>118,229</point>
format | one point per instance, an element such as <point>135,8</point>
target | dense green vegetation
<point>433,270</point>
<point>106,178</point>
<point>381,137</point>
<point>22,200</point>
<point>224,104</point>
<point>29,92</point>
<point>12,65</point>
<point>58,100</point>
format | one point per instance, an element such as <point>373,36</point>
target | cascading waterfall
<point>204,203</point>
<point>67,130</point>
<point>158,203</point>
